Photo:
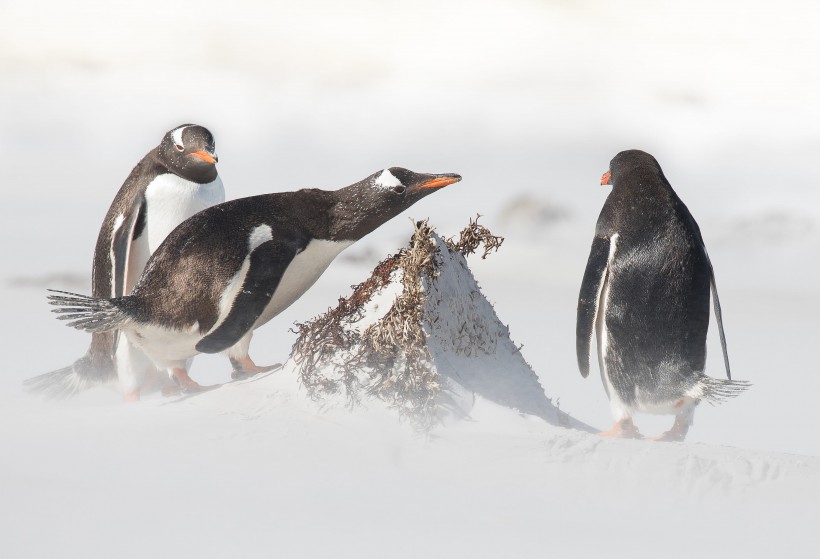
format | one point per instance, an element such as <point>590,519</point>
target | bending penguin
<point>175,180</point>
<point>231,268</point>
<point>645,296</point>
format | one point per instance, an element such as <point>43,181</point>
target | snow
<point>472,350</point>
<point>523,99</point>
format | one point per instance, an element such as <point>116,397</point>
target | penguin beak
<point>605,178</point>
<point>205,156</point>
<point>440,180</point>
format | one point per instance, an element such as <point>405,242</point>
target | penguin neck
<point>360,209</point>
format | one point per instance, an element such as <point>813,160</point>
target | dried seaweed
<point>389,359</point>
<point>473,236</point>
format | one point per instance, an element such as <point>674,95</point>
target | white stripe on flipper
<point>600,303</point>
<point>112,256</point>
<point>619,409</point>
<point>260,234</point>
<point>230,293</point>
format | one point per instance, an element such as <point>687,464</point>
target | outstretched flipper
<point>719,317</point>
<point>268,263</point>
<point>589,299</point>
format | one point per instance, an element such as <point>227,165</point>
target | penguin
<point>233,267</point>
<point>175,180</point>
<point>645,295</point>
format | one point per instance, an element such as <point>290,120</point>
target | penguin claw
<point>623,429</point>
<point>171,390</point>
<point>241,374</point>
<point>184,384</point>
<point>670,436</point>
<point>244,367</point>
<point>676,434</point>
<point>176,390</point>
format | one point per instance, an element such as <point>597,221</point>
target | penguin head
<point>629,162</point>
<point>190,152</point>
<point>395,189</point>
<point>383,195</point>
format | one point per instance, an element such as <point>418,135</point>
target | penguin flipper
<point>589,299</point>
<point>121,246</point>
<point>268,263</point>
<point>719,317</point>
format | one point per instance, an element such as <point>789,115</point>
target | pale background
<point>523,98</point>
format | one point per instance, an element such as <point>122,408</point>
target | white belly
<point>300,275</point>
<point>166,347</point>
<point>170,200</point>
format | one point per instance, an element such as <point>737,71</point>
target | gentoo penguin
<point>232,267</point>
<point>175,180</point>
<point>645,294</point>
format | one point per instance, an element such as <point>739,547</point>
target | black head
<point>631,162</point>
<point>369,203</point>
<point>190,152</point>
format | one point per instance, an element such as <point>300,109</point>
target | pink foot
<point>623,429</point>
<point>244,367</point>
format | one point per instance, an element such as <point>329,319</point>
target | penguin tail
<point>716,391</point>
<point>57,385</point>
<point>94,368</point>
<point>89,313</point>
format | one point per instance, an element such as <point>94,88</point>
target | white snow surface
<point>471,349</point>
<point>526,100</point>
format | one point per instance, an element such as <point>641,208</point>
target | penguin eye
<point>179,147</point>
<point>399,189</point>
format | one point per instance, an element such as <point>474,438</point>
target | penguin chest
<point>170,200</point>
<point>301,273</point>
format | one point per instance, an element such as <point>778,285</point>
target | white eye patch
<point>176,135</point>
<point>386,179</point>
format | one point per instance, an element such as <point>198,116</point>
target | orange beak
<point>605,178</point>
<point>204,156</point>
<point>439,181</point>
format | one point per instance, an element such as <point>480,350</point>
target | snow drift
<point>254,466</point>
<point>420,335</point>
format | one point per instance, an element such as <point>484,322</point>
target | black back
<point>658,282</point>
<point>189,271</point>
<point>185,278</point>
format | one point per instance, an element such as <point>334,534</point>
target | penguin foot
<point>171,390</point>
<point>676,434</point>
<point>244,367</point>
<point>623,429</point>
<point>131,395</point>
<point>670,436</point>
<point>185,384</point>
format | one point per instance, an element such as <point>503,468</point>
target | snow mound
<point>420,335</point>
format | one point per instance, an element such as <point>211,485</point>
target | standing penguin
<point>231,268</point>
<point>645,294</point>
<point>175,180</point>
